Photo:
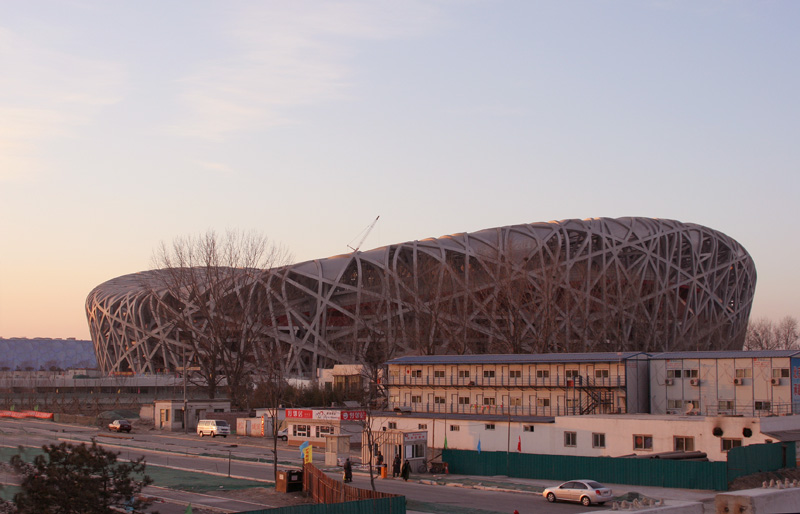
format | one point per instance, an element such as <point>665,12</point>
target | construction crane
<point>366,232</point>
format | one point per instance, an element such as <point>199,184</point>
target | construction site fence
<point>679,474</point>
<point>376,506</point>
<point>324,489</point>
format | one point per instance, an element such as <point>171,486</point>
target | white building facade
<point>597,404</point>
<point>529,385</point>
<point>756,383</point>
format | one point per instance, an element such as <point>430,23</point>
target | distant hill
<point>45,353</point>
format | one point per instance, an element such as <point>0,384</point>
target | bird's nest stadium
<point>625,284</point>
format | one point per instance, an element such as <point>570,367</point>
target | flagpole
<point>508,442</point>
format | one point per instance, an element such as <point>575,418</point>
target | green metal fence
<point>653,472</point>
<point>755,458</point>
<point>395,505</point>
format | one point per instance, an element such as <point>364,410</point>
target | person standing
<point>396,466</point>
<point>348,471</point>
<point>406,471</point>
<point>379,459</point>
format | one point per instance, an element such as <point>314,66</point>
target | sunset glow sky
<point>125,124</point>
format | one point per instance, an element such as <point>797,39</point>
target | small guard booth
<point>409,445</point>
<point>313,425</point>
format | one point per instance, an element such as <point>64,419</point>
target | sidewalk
<point>535,487</point>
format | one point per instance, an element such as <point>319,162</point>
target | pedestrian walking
<point>406,471</point>
<point>396,466</point>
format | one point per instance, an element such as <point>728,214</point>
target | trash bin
<point>383,470</point>
<point>294,481</point>
<point>289,481</point>
<point>280,482</point>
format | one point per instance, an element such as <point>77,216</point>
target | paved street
<point>250,458</point>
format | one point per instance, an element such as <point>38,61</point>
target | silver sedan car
<point>585,491</point>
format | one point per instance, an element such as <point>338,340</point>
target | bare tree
<point>786,333</point>
<point>764,334</point>
<point>272,386</point>
<point>212,287</point>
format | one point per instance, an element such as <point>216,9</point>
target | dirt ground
<point>756,480</point>
<point>262,495</point>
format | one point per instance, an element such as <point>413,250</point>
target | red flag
<point>519,444</point>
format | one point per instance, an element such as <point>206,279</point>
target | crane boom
<point>366,232</point>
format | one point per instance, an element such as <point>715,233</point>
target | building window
<point>673,373</point>
<point>570,439</point>
<point>422,426</point>
<point>527,428</point>
<point>301,430</point>
<point>416,398</point>
<point>690,373</point>
<point>744,373</point>
<point>763,405</point>
<point>463,373</point>
<point>727,444</point>
<point>488,374</point>
<point>694,404</point>
<point>416,373</point>
<point>439,400</point>
<point>542,373</point>
<point>725,406</point>
<point>392,425</point>
<point>598,440</point>
<point>683,444</point>
<point>515,373</point>
<point>455,428</point>
<point>543,402</point>
<point>438,373</point>
<point>601,373</point>
<point>321,431</point>
<point>780,373</point>
<point>489,426</point>
<point>394,400</point>
<point>642,442</point>
<point>488,401</point>
<point>516,402</point>
<point>674,404</point>
<point>571,373</point>
<point>463,400</point>
<point>417,451</point>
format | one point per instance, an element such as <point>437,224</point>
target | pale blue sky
<point>124,124</point>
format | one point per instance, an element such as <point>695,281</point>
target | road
<point>223,456</point>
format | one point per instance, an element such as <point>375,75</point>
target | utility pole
<point>185,402</point>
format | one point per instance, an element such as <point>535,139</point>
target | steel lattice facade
<point>626,284</point>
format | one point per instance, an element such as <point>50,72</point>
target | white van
<point>213,427</point>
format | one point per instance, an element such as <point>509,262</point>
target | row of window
<point>739,373</point>
<point>312,431</point>
<point>722,405</point>
<point>642,442</point>
<point>514,373</point>
<point>466,400</point>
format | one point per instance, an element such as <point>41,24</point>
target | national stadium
<point>592,285</point>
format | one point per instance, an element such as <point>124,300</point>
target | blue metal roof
<point>730,354</point>
<point>516,358</point>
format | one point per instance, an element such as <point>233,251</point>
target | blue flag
<point>302,447</point>
<point>479,445</point>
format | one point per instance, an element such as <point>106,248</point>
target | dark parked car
<point>120,425</point>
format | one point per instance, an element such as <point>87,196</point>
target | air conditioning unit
<point>669,381</point>
<point>776,381</point>
<point>737,381</point>
<point>694,381</point>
